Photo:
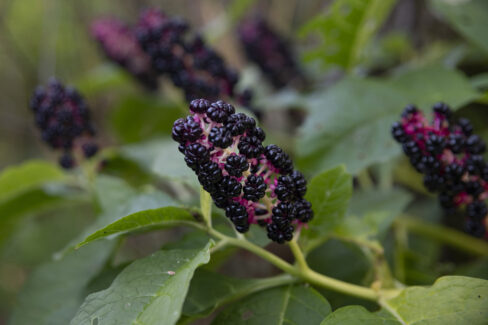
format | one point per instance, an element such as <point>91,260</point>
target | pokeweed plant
<point>346,247</point>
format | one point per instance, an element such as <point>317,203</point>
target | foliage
<point>379,249</point>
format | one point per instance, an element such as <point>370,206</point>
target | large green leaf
<point>209,291</point>
<point>467,17</point>
<point>450,300</point>
<point>118,200</point>
<point>143,220</point>
<point>138,118</point>
<point>372,212</point>
<point>346,29</point>
<point>55,290</point>
<point>329,193</point>
<point>352,315</point>
<point>435,83</point>
<point>149,291</point>
<point>162,158</point>
<point>30,188</point>
<point>30,175</point>
<point>350,124</point>
<point>293,304</point>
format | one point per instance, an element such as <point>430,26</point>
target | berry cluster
<point>450,156</point>
<point>270,52</point>
<point>64,120</point>
<point>186,60</point>
<point>253,183</point>
<point>159,45</point>
<point>120,45</point>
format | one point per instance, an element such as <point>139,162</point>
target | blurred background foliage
<point>366,59</point>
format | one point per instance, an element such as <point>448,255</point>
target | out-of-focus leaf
<point>372,212</point>
<point>467,17</point>
<point>293,304</point>
<point>31,187</point>
<point>102,78</point>
<point>352,315</point>
<point>345,30</point>
<point>450,300</point>
<point>32,174</point>
<point>150,291</point>
<point>138,118</point>
<point>329,193</point>
<point>209,291</point>
<point>162,158</point>
<point>55,290</point>
<point>435,83</point>
<point>350,124</point>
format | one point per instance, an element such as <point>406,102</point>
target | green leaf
<point>293,304</point>
<point>139,117</point>
<point>143,220</point>
<point>343,261</point>
<point>435,83</point>
<point>161,158</point>
<point>329,194</point>
<point>55,290</point>
<point>350,124</point>
<point>149,291</point>
<point>450,300</point>
<point>352,315</point>
<point>467,17</point>
<point>30,175</point>
<point>372,212</point>
<point>346,29</point>
<point>209,291</point>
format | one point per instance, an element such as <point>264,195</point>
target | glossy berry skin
<point>254,188</point>
<point>449,156</point>
<point>64,120</point>
<point>242,177</point>
<point>235,165</point>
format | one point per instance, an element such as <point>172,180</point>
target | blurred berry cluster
<point>253,183</point>
<point>120,45</point>
<point>159,45</point>
<point>64,120</point>
<point>450,156</point>
<point>270,52</point>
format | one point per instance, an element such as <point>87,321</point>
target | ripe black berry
<point>186,129</point>
<point>236,164</point>
<point>220,137</point>
<point>199,105</point>
<point>219,111</point>
<point>254,188</point>
<point>250,146</point>
<point>195,155</point>
<point>477,210</point>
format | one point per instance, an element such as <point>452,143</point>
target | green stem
<point>445,235</point>
<point>298,254</point>
<point>304,272</point>
<point>206,207</point>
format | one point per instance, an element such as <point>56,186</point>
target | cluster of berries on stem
<point>160,45</point>
<point>450,157</point>
<point>270,52</point>
<point>120,45</point>
<point>255,184</point>
<point>64,120</point>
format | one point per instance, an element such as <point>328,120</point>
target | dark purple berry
<point>236,164</point>
<point>254,188</point>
